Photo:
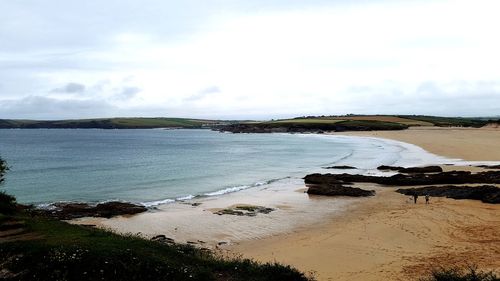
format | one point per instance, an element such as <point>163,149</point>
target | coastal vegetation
<point>469,273</point>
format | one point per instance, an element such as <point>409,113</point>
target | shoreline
<point>390,238</point>
<point>345,242</point>
<point>293,209</point>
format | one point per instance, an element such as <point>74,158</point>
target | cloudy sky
<point>248,59</point>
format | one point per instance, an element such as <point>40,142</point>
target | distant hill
<point>351,123</point>
<point>110,123</point>
<point>299,124</point>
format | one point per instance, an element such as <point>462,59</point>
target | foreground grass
<point>53,250</point>
<point>470,273</point>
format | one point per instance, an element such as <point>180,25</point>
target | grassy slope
<point>448,121</point>
<point>409,120</point>
<point>108,123</point>
<point>331,123</point>
<point>54,250</point>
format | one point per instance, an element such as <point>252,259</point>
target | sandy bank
<point>388,237</point>
<point>464,143</point>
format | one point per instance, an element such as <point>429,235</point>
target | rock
<point>338,190</point>
<point>249,211</point>
<point>343,167</point>
<point>162,239</point>
<point>485,193</point>
<point>452,177</point>
<point>489,166</point>
<point>412,170</point>
<point>67,211</point>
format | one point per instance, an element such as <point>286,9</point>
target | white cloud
<point>371,57</point>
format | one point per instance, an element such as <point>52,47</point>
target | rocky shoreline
<point>484,193</point>
<point>68,211</point>
<point>338,184</point>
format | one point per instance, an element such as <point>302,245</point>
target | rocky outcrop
<point>485,193</point>
<point>343,167</point>
<point>338,190</point>
<point>453,177</point>
<point>67,211</point>
<point>489,166</point>
<point>246,210</point>
<point>412,170</point>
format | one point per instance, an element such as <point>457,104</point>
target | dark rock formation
<point>343,167</point>
<point>412,170</point>
<point>453,177</point>
<point>338,190</point>
<point>485,193</point>
<point>489,166</point>
<point>163,239</point>
<point>67,211</point>
<point>249,211</point>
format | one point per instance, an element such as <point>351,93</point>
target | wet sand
<point>378,238</point>
<point>387,237</point>
<point>464,143</point>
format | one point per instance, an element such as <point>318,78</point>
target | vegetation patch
<point>470,273</point>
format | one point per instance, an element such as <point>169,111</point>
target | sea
<point>160,166</point>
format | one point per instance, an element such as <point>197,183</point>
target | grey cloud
<point>203,93</point>
<point>127,93</point>
<point>479,98</point>
<point>38,107</point>
<point>70,88</point>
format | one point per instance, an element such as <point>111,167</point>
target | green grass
<point>110,123</point>
<point>448,121</point>
<point>60,251</point>
<point>333,124</point>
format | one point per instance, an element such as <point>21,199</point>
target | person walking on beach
<point>427,199</point>
<point>415,197</point>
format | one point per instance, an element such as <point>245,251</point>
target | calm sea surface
<point>153,166</point>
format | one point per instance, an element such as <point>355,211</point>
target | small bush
<point>470,273</point>
<point>3,169</point>
<point>7,203</point>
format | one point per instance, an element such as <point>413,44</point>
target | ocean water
<point>160,166</point>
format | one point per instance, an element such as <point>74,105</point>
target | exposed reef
<point>343,167</point>
<point>338,190</point>
<point>249,211</point>
<point>67,211</point>
<point>485,193</point>
<point>453,177</point>
<point>411,170</point>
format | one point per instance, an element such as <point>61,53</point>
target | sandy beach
<point>390,238</point>
<point>385,237</point>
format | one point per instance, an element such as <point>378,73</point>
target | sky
<point>254,59</point>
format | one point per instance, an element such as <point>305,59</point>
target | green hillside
<point>110,123</point>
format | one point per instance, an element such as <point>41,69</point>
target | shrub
<point>3,169</point>
<point>7,203</point>
<point>469,273</point>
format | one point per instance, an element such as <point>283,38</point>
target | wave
<point>210,194</point>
